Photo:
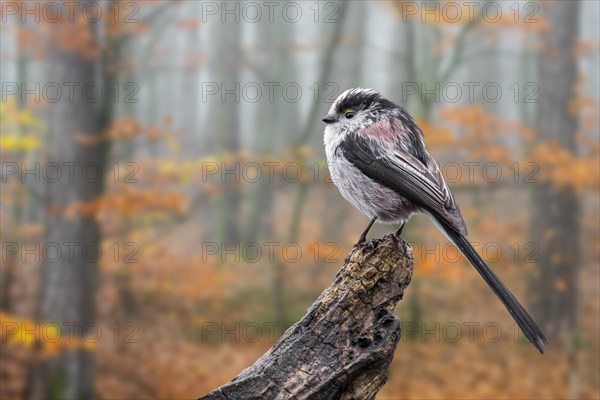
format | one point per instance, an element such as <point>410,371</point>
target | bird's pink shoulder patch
<point>385,130</point>
<point>381,129</point>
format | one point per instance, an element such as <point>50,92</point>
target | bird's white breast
<point>370,197</point>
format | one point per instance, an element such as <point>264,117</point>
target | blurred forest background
<point>167,213</point>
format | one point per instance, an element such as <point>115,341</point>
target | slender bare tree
<point>556,210</point>
<point>68,282</point>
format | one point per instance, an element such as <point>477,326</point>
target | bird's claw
<point>369,247</point>
<point>398,233</point>
<point>361,240</point>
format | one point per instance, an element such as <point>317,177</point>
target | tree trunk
<point>229,127</point>
<point>556,210</point>
<point>349,61</point>
<point>344,344</point>
<point>68,283</point>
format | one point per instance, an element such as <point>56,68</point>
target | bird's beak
<point>329,119</point>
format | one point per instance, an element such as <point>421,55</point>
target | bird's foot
<point>398,233</point>
<point>398,236</point>
<point>361,240</point>
<point>363,237</point>
<point>370,246</point>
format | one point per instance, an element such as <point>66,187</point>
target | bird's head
<point>356,108</point>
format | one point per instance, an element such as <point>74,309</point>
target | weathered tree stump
<point>343,346</point>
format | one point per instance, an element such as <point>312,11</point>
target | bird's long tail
<point>518,312</point>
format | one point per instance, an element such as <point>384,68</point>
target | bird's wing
<point>422,184</point>
<point>450,204</point>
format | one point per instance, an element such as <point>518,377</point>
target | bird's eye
<point>349,114</point>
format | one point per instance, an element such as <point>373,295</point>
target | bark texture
<point>343,345</point>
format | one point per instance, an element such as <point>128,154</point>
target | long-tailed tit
<point>378,161</point>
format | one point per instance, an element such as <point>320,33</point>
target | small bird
<point>377,160</point>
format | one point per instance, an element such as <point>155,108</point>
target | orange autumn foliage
<point>564,169</point>
<point>129,202</point>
